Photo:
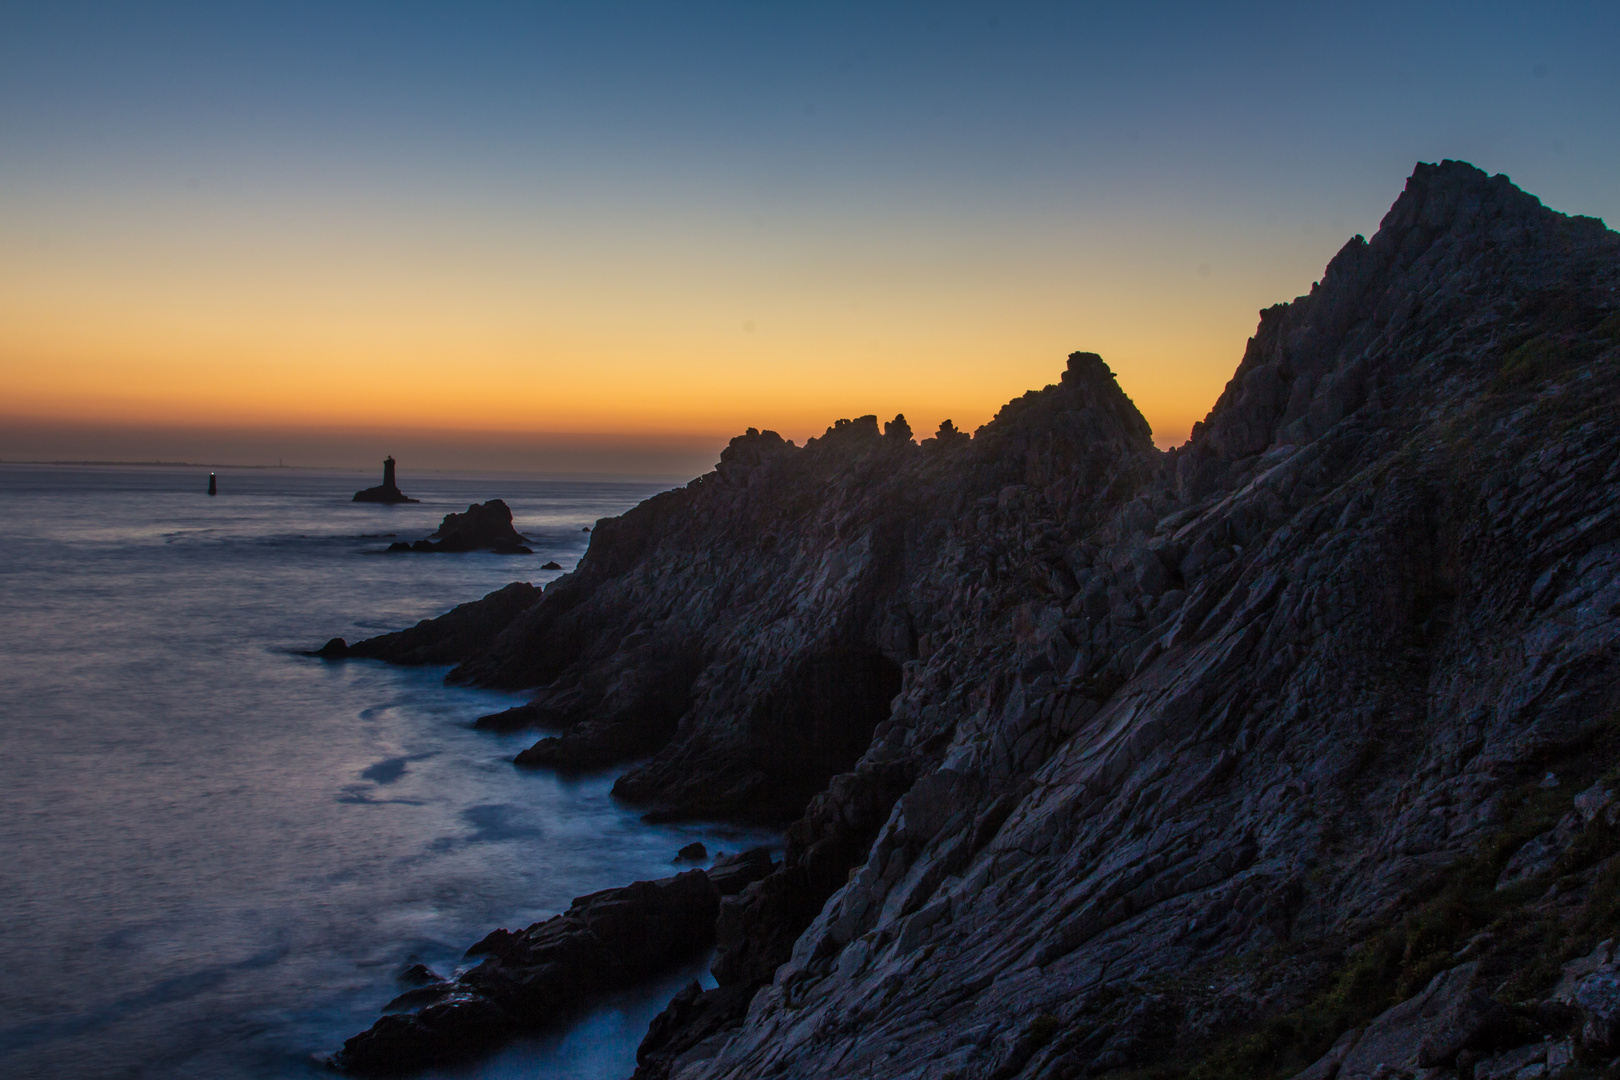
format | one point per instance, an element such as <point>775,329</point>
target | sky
<point>608,237</point>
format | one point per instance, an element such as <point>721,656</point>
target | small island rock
<point>484,527</point>
<point>387,491</point>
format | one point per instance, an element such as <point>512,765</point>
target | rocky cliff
<point>1098,758</point>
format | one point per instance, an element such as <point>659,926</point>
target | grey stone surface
<point>1071,730</point>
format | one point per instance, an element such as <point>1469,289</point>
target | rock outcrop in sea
<point>485,526</point>
<point>386,492</point>
<point>1293,750</point>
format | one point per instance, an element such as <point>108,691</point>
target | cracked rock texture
<point>1096,755</point>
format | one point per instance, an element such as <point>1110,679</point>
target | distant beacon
<point>387,491</point>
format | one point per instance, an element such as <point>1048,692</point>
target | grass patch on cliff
<point>1555,329</point>
<point>1538,359</point>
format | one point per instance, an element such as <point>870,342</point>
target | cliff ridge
<point>1102,758</point>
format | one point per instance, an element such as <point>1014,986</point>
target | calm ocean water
<point>216,855</point>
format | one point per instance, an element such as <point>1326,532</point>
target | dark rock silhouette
<point>418,975</point>
<point>731,874</point>
<point>1227,761</point>
<point>484,527</point>
<point>551,565</point>
<point>387,491</point>
<point>452,637</point>
<point>947,435</point>
<point>606,941</point>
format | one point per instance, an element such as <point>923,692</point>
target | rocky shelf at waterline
<point>1231,760</point>
<point>606,941</point>
<point>466,629</point>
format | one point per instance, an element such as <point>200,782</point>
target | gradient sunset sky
<point>610,236</point>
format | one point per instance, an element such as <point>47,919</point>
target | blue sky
<point>872,200</point>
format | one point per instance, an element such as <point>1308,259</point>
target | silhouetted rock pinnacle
<point>387,491</point>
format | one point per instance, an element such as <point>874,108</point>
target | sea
<point>217,853</point>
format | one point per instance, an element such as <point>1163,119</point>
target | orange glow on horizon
<point>161,321</point>
<point>143,364</point>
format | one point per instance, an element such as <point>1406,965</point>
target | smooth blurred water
<point>215,854</point>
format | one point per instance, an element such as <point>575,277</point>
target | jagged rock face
<point>1454,257</point>
<point>1170,730</point>
<point>751,628</point>
<point>1376,591</point>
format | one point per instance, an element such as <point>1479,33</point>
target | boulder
<point>1578,969</point>
<point>1593,801</point>
<point>689,1028</point>
<point>1560,1056</point>
<point>731,874</point>
<point>1597,996</point>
